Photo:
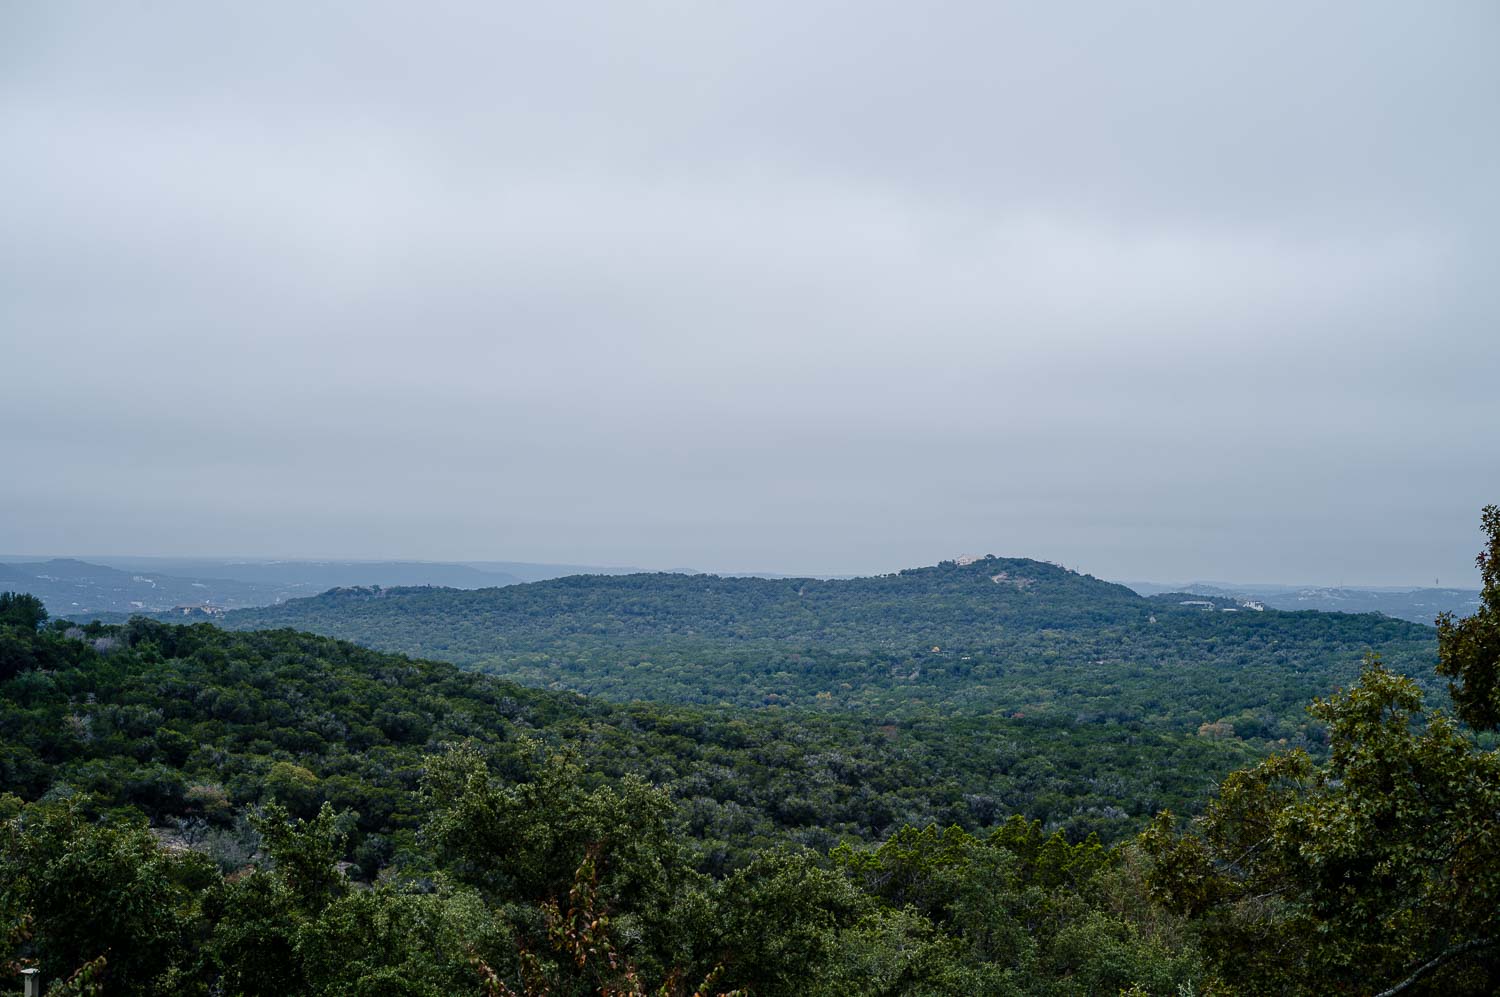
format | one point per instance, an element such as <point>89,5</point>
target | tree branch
<point>1425,968</point>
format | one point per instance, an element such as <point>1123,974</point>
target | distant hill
<point>292,578</point>
<point>530,571</point>
<point>113,588</point>
<point>1419,605</point>
<point>70,587</point>
<point>991,635</point>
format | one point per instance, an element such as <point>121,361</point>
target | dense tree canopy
<point>994,637</point>
<point>19,609</point>
<point>1380,865</point>
<point>1470,648</point>
<point>201,811</point>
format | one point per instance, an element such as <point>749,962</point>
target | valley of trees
<point>195,810</point>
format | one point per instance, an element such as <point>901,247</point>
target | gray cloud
<point>1169,290</point>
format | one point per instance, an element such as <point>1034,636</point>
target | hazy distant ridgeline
<point>114,588</point>
<point>122,586</point>
<point>72,587</point>
<point>993,636</point>
<point>922,605</point>
<point>1419,605</point>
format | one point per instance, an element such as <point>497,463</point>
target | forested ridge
<point>418,776</point>
<point>269,811</point>
<point>994,637</point>
<point>149,714</point>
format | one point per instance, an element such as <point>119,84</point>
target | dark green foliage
<point>779,919</point>
<point>1377,870</point>
<point>1316,879</point>
<point>1469,649</point>
<point>252,947</point>
<point>304,853</point>
<point>522,842</point>
<point>991,638</point>
<point>89,886</point>
<point>268,934</point>
<point>334,820</point>
<point>20,615</point>
<point>193,723</point>
<point>1025,911</point>
<point>19,609</point>
<point>479,832</point>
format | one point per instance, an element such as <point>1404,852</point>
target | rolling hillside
<point>989,636</point>
<point>115,588</point>
<point>69,586</point>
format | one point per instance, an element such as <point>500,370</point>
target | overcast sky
<point>1167,291</point>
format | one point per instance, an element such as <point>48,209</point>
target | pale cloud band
<point>1176,291</point>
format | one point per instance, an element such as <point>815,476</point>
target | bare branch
<point>1425,968</point>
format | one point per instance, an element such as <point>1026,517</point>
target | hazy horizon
<point>1178,292</point>
<point>497,563</point>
